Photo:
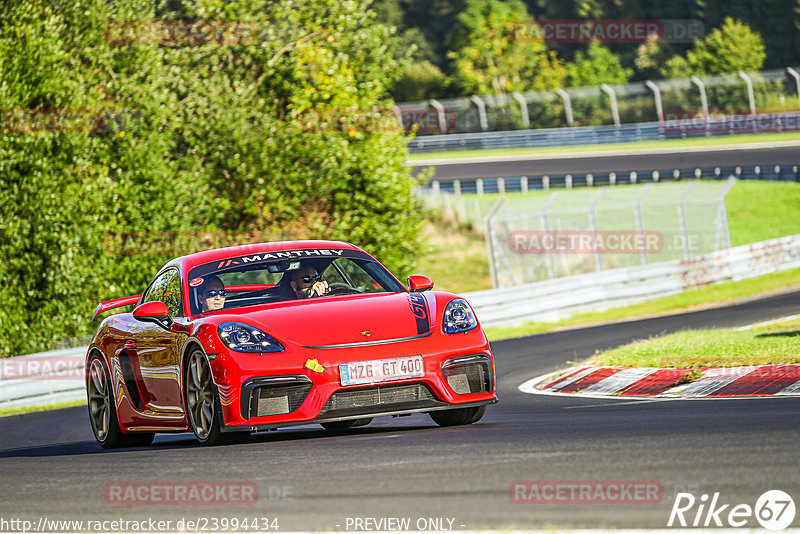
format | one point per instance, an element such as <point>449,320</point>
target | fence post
<point>551,270</point>
<point>435,187</point>
<point>545,182</point>
<point>682,218</point>
<point>613,98</point>
<point>568,181</point>
<point>479,186</point>
<point>490,244</point>
<point>703,100</point>
<point>501,186</point>
<point>523,108</point>
<point>589,180</point>
<point>640,218</point>
<point>750,96</point>
<point>457,187</point>
<point>657,96</point>
<point>440,113</point>
<point>633,177</point>
<point>612,178</point>
<point>523,184</point>
<point>567,106</point>
<point>796,75</point>
<point>481,112</point>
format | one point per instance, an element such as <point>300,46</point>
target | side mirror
<point>153,312</point>
<point>418,283</point>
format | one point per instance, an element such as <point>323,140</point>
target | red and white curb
<point>652,382</point>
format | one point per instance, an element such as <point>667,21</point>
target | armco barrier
<point>44,378</point>
<point>555,299</point>
<point>57,376</point>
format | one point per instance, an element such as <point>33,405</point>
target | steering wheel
<point>341,288</point>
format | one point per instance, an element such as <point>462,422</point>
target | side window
<point>359,278</point>
<point>167,289</point>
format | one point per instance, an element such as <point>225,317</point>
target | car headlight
<point>458,317</point>
<point>245,338</point>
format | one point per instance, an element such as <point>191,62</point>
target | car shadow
<point>785,333</point>
<point>186,440</point>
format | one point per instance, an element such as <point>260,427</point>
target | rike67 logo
<point>774,510</point>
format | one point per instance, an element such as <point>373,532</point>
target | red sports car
<point>231,341</point>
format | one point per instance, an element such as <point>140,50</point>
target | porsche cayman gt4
<point>232,341</point>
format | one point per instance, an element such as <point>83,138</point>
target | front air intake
<point>469,374</point>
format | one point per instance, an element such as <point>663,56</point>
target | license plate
<point>381,370</point>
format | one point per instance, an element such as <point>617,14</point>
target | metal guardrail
<point>512,184</point>
<point>555,299</point>
<point>45,378</point>
<point>596,135</point>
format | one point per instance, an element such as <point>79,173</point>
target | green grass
<point>762,210</point>
<point>456,259</point>
<point>692,349</point>
<point>44,407</point>
<point>716,294</point>
<point>672,143</point>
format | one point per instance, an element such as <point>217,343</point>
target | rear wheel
<point>103,413</point>
<point>344,425</point>
<point>458,416</point>
<point>203,406</point>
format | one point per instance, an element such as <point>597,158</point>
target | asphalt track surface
<point>50,465</point>
<point>619,163</point>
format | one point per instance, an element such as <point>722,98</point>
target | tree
<point>489,57</point>
<point>730,48</point>
<point>598,65</point>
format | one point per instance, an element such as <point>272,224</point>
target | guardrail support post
<point>545,182</point>
<point>523,184</point>
<point>568,181</point>
<point>523,108</point>
<point>435,187</point>
<point>481,112</point>
<point>501,186</point>
<point>567,106</point>
<point>457,187</point>
<point>703,100</point>
<point>612,96</point>
<point>479,186</point>
<point>796,75</point>
<point>440,113</point>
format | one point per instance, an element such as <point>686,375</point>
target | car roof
<point>207,256</point>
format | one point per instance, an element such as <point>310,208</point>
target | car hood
<point>345,320</point>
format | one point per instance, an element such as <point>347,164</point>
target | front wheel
<point>203,406</point>
<point>458,416</point>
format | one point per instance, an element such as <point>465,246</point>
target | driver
<point>306,282</point>
<point>212,294</point>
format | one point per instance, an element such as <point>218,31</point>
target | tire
<point>344,425</point>
<point>102,410</point>
<point>458,416</point>
<point>203,408</point>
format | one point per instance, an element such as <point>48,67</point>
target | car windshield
<point>284,276</point>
